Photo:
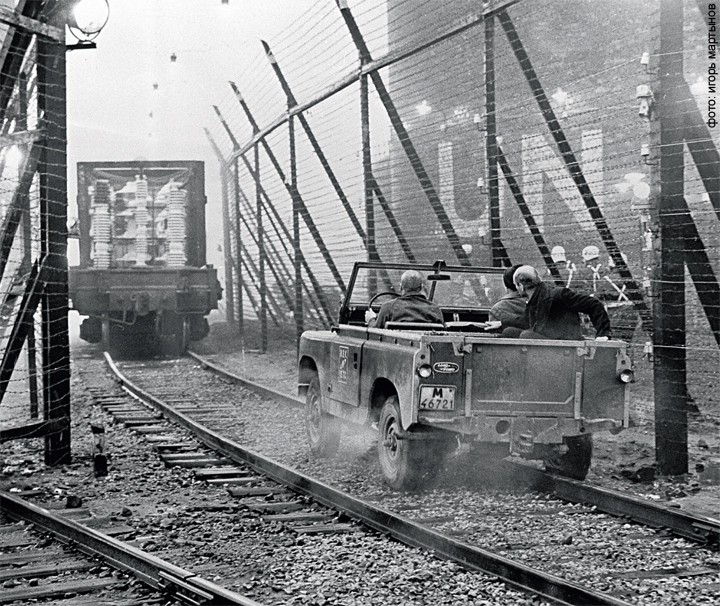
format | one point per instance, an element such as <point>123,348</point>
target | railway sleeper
<point>161,439</point>
<point>147,429</point>
<point>277,506</point>
<point>186,456</point>
<point>216,473</point>
<point>190,463</point>
<point>325,528</point>
<point>300,516</point>
<point>133,421</point>
<point>234,481</point>
<point>173,446</point>
<point>259,491</point>
<point>56,590</point>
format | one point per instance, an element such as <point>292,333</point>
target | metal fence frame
<point>662,311</point>
<point>36,39</point>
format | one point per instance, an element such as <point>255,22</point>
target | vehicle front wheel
<point>575,463</point>
<point>323,430</point>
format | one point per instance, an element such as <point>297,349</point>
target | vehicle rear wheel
<point>406,464</point>
<point>575,463</point>
<point>323,430</point>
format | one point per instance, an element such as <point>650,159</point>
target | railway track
<point>230,469</point>
<point>535,542</point>
<point>49,554</point>
<point>258,515</point>
<point>451,533</point>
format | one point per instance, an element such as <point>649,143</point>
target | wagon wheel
<point>575,463</point>
<point>405,464</point>
<point>323,430</point>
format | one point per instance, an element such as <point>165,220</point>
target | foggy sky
<point>127,100</point>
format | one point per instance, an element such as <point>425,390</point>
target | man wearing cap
<point>566,268</point>
<point>410,306</point>
<point>509,311</point>
<point>554,312</point>
<point>590,279</point>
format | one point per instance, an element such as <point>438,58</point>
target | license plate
<point>437,398</point>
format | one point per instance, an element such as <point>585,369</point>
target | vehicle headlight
<point>425,371</point>
<point>626,376</point>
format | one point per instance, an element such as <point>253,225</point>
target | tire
<point>322,429</point>
<point>575,463</point>
<point>405,464</point>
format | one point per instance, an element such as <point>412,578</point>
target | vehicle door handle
<point>355,361</point>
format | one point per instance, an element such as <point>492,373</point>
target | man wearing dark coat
<point>410,306</point>
<point>554,312</point>
<point>509,310</point>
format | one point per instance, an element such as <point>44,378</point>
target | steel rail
<point>152,571</point>
<point>515,574</point>
<point>694,527</point>
<point>256,387</point>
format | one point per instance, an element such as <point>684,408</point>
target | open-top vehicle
<point>430,388</point>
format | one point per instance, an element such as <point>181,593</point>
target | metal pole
<point>238,245</point>
<point>27,248</point>
<point>528,216</point>
<point>261,254</point>
<point>368,180</point>
<point>278,224</point>
<point>52,111</point>
<point>573,166</point>
<point>390,216</point>
<point>669,314</point>
<point>251,269</point>
<point>227,252</point>
<point>253,303</point>
<point>292,103</point>
<point>294,193</point>
<point>491,142</point>
<point>299,317</point>
<point>272,263</point>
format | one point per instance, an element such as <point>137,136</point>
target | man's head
<point>526,279</point>
<point>508,277</point>
<point>590,253</point>
<point>558,255</point>
<point>411,282</point>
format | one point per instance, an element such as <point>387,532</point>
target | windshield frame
<point>351,301</point>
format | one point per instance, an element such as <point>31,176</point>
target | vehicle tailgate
<point>536,378</point>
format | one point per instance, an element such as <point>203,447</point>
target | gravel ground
<point>469,502</point>
<point>172,516</point>
<point>142,491</point>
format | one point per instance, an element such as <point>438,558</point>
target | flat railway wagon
<point>142,280</point>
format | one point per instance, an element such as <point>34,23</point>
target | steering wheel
<point>387,293</point>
